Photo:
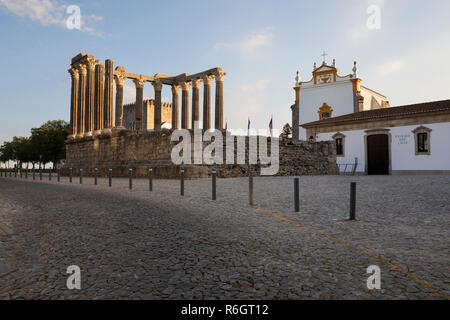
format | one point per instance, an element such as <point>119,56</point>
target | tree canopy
<point>46,144</point>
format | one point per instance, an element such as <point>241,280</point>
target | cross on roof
<point>324,55</point>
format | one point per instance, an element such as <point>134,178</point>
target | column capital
<point>176,89</point>
<point>220,75</point>
<point>196,83</point>
<point>74,73</point>
<point>157,85</point>
<point>185,85</point>
<point>139,82</point>
<point>120,76</point>
<point>207,79</point>
<point>82,69</point>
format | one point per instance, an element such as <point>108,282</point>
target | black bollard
<point>50,175</point>
<point>182,182</point>
<point>110,177</point>
<point>15,173</point>
<point>81,176</point>
<point>26,173</point>
<point>95,176</point>
<point>20,173</point>
<point>40,174</point>
<point>353,201</point>
<point>297,193</point>
<point>150,179</point>
<point>214,184</point>
<point>70,175</point>
<point>59,174</point>
<point>130,174</point>
<point>250,188</point>
<point>34,174</point>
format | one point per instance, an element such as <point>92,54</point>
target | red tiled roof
<point>435,106</point>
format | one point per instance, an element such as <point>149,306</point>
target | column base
<point>97,132</point>
<point>88,134</point>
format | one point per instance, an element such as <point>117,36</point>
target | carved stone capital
<point>139,82</point>
<point>219,76</point>
<point>73,73</point>
<point>157,85</point>
<point>207,79</point>
<point>119,79</point>
<point>82,69</point>
<point>120,76</point>
<point>196,83</point>
<point>176,89</point>
<point>185,86</point>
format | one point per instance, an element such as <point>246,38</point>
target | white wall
<point>403,155</point>
<point>339,96</point>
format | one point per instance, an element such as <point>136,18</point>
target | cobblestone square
<point>136,244</point>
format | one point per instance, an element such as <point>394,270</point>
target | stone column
<point>108,103</point>
<point>74,101</point>
<point>218,123</point>
<point>81,100</point>
<point>120,80</point>
<point>175,114</point>
<point>207,102</point>
<point>99,98</point>
<point>157,85</point>
<point>185,105</point>
<point>139,102</point>
<point>90,90</point>
<point>195,103</point>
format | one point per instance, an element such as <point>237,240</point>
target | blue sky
<point>259,44</point>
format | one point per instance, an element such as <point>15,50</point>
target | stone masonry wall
<point>142,150</point>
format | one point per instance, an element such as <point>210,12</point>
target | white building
<point>383,139</point>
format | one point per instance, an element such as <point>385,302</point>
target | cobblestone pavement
<point>160,245</point>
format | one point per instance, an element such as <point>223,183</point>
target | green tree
<point>48,141</point>
<point>6,152</point>
<point>287,132</point>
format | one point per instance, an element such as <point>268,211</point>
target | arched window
<point>339,139</point>
<point>422,141</point>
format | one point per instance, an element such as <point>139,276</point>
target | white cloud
<point>390,67</point>
<point>129,93</point>
<point>48,12</point>
<point>250,44</point>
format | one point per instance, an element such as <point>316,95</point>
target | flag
<point>248,129</point>
<point>271,126</point>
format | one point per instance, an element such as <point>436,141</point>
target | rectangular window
<point>339,147</point>
<point>422,142</point>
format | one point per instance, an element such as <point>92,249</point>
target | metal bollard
<point>95,176</point>
<point>250,188</point>
<point>34,174</point>
<point>50,175</point>
<point>81,176</point>
<point>353,201</point>
<point>214,184</point>
<point>26,173</point>
<point>150,179</point>
<point>40,174</point>
<point>59,174</point>
<point>182,182</point>
<point>15,173</point>
<point>110,177</point>
<point>297,193</point>
<point>70,175</point>
<point>130,174</point>
<point>20,170</point>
